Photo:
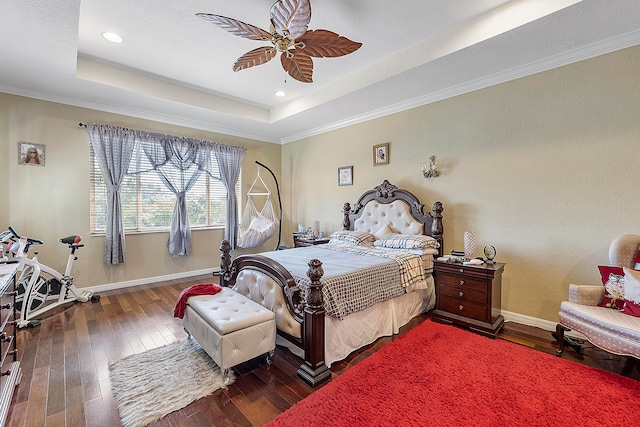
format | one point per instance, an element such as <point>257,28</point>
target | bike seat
<point>71,240</point>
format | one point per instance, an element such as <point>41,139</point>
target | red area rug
<point>439,375</point>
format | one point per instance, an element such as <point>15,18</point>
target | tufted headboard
<point>397,208</point>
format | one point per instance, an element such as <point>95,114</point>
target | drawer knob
<point>3,306</point>
<point>461,282</point>
<point>460,307</point>
<point>5,373</point>
<point>461,294</point>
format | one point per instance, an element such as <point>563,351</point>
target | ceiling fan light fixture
<point>112,37</point>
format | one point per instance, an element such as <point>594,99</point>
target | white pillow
<point>260,223</point>
<point>421,251</point>
<point>407,241</point>
<point>383,231</point>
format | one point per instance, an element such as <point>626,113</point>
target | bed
<point>303,286</point>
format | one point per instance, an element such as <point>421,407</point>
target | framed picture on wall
<point>345,175</point>
<point>381,154</point>
<point>31,154</point>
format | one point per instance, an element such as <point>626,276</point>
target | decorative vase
<point>469,244</point>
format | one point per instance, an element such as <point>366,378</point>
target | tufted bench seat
<point>230,327</point>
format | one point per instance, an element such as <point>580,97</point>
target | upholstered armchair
<point>607,328</point>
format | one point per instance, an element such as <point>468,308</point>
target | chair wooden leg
<point>560,337</point>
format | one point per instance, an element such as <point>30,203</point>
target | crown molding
<point>576,55</point>
<point>137,113</point>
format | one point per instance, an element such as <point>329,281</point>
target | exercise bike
<point>41,288</point>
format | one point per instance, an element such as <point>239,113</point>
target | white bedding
<point>364,327</point>
<point>345,334</point>
<point>355,277</point>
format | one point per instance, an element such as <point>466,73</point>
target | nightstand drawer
<point>463,294</point>
<point>462,281</point>
<point>463,308</point>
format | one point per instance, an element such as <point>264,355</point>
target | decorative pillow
<point>613,281</point>
<point>407,241</point>
<point>419,251</point>
<point>631,292</point>
<point>637,261</point>
<point>384,231</point>
<point>358,238</point>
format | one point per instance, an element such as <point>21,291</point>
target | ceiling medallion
<point>288,35</point>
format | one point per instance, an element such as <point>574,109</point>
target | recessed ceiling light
<point>112,37</point>
<point>280,93</point>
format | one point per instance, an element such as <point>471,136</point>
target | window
<point>147,204</point>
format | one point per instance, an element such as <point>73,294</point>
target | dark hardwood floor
<point>65,363</point>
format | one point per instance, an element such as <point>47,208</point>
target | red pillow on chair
<point>613,281</point>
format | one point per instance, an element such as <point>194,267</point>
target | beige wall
<point>544,168</point>
<point>53,201</point>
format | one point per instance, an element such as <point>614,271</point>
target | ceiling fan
<point>288,35</point>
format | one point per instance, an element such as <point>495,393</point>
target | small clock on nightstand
<point>490,254</point>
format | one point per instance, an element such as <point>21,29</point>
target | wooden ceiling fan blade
<point>292,16</point>
<point>236,27</point>
<point>327,44</point>
<point>255,57</point>
<point>298,66</point>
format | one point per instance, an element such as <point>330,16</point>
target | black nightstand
<point>469,296</point>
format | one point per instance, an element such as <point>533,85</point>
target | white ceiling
<point>177,68</point>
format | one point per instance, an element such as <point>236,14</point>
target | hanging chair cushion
<point>261,224</point>
<point>259,231</point>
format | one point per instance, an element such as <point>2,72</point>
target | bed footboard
<point>307,310</point>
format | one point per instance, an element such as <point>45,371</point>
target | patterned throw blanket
<point>411,268</point>
<point>355,277</point>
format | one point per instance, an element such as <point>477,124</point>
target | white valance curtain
<point>179,163</point>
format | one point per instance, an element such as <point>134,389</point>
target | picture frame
<point>381,154</point>
<point>345,175</point>
<point>31,154</point>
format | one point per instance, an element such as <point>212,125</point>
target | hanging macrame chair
<point>257,227</point>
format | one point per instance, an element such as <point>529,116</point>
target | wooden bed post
<point>437,229</point>
<point>225,263</point>
<point>314,371</point>
<point>346,221</point>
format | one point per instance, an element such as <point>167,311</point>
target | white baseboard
<point>148,280</point>
<point>539,323</point>
<point>529,321</point>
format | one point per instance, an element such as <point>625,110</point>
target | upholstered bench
<point>230,327</point>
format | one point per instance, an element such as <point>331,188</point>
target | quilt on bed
<point>355,277</point>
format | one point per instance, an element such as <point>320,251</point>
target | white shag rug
<point>147,386</point>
